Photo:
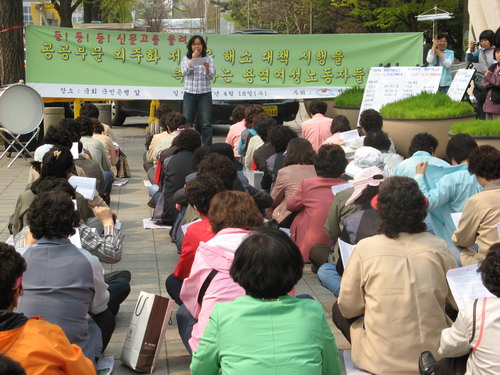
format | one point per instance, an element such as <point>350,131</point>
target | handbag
<point>146,332</point>
<point>122,167</point>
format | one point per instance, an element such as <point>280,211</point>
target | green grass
<point>350,98</point>
<point>478,128</point>
<point>426,106</point>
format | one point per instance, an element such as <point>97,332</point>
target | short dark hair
<point>86,127</point>
<point>162,110</point>
<point>444,35</point>
<point>330,161</point>
<point>57,162</point>
<point>200,191</point>
<point>423,142</point>
<point>484,161</point>
<point>12,266</point>
<point>234,209</point>
<point>401,206</point>
<point>57,135</point>
<point>51,183</point>
<point>220,166</point>
<point>340,123</point>
<point>267,264</point>
<point>370,119</point>
<point>191,41</point>
<point>73,128</point>
<point>97,126</point>
<point>238,113</point>
<point>263,125</point>
<point>299,151</point>
<point>279,137</point>
<point>199,154</point>
<point>53,215</point>
<point>490,270</point>
<point>10,367</point>
<point>459,147</point>
<point>173,120</point>
<point>250,112</point>
<point>318,106</point>
<point>367,194</point>
<point>188,138</point>
<point>489,35</point>
<point>376,138</point>
<point>89,110</point>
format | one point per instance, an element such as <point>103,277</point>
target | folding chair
<point>21,112</point>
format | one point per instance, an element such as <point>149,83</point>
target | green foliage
<point>478,128</point>
<point>426,106</point>
<point>392,15</point>
<point>351,98</point>
<point>283,16</point>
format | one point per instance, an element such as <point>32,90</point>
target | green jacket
<point>250,336</point>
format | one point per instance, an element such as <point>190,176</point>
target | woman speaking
<point>198,70</point>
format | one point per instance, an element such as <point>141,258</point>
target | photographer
<point>481,58</point>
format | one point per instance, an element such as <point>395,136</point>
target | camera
<point>477,44</point>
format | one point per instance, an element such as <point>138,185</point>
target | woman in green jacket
<point>267,331</point>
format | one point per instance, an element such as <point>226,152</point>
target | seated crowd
<point>247,240</point>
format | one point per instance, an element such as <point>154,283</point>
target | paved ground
<point>148,254</point>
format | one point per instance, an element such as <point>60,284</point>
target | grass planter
<point>348,104</point>
<point>485,132</point>
<point>424,113</point>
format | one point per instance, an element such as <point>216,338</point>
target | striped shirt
<point>196,80</point>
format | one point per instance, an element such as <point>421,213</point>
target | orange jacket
<point>42,348</point>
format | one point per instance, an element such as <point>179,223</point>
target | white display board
<point>387,85</point>
<point>460,84</point>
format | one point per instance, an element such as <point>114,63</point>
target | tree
<point>391,15</point>
<point>283,16</point>
<point>11,41</point>
<point>107,10</point>
<point>65,8</point>
<point>154,14</point>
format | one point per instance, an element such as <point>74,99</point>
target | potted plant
<point>348,104</point>
<point>485,132</point>
<point>424,113</point>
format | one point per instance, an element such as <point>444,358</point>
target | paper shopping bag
<point>146,332</point>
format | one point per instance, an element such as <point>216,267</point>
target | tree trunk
<point>11,41</point>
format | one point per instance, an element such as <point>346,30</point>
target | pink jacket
<point>234,135</point>
<point>316,130</point>
<point>217,253</point>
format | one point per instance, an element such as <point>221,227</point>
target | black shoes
<point>426,363</point>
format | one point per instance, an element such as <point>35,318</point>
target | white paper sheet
<point>74,150</point>
<point>149,224</point>
<point>286,230</point>
<point>199,61</point>
<point>104,365</point>
<point>349,136</point>
<point>185,226</point>
<point>466,285</point>
<point>147,183</point>
<point>350,368</point>
<point>346,250</point>
<point>75,239</point>
<point>84,185</point>
<point>338,188</point>
<point>455,216</point>
<point>120,182</point>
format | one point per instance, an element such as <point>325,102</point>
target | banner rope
<point>11,28</point>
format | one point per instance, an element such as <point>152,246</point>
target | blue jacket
<point>447,189</point>
<point>407,167</point>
